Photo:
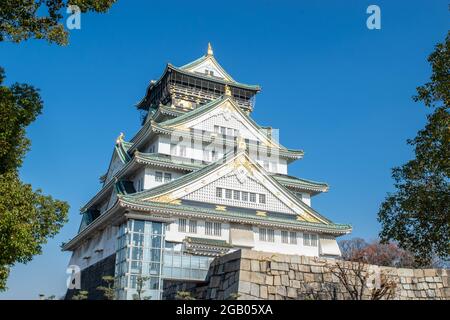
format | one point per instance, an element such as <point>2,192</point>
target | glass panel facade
<point>144,259</point>
<point>139,259</point>
<point>180,265</point>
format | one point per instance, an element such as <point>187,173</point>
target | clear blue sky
<point>335,89</point>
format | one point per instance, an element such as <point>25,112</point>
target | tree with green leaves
<point>30,19</point>
<point>140,285</point>
<point>109,289</point>
<point>416,215</point>
<point>27,217</point>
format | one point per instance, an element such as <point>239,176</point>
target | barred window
<point>310,240</point>
<point>192,226</point>
<point>182,225</point>
<point>219,192</point>
<point>270,235</point>
<point>208,228</point>
<point>236,195</point>
<point>228,193</point>
<point>262,234</point>
<point>158,176</point>
<point>262,198</point>
<point>244,196</point>
<point>217,228</point>
<point>167,177</point>
<point>293,237</point>
<point>252,197</point>
<point>284,237</point>
<point>313,240</point>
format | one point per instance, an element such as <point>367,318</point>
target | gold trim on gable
<point>221,208</point>
<point>261,213</point>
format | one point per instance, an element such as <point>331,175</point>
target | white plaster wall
<point>149,180</point>
<point>105,240</point>
<point>173,235</point>
<point>285,248</point>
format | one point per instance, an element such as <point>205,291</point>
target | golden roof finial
<point>120,138</point>
<point>227,91</point>
<point>210,50</point>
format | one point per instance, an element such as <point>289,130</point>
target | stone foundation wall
<point>248,274</point>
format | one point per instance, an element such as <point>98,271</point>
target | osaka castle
<point>198,180</point>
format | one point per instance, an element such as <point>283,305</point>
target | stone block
<point>429,279</point>
<point>254,266</point>
<point>418,273</point>
<point>308,277</point>
<point>281,290</point>
<point>304,268</point>
<point>316,269</point>
<point>257,277</point>
<point>263,292</point>
<point>318,277</point>
<point>215,281</point>
<point>254,290</point>
<point>292,293</point>
<point>403,272</point>
<point>244,287</point>
<point>277,280</point>
<point>271,290</point>
<point>294,284</point>
<point>284,280</point>
<point>244,275</point>
<point>245,264</point>
<point>269,280</point>
<point>295,259</point>
<point>291,274</point>
<point>429,272</point>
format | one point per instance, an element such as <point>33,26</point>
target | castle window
<point>244,196</point>
<point>158,176</point>
<point>182,225</point>
<point>213,229</point>
<point>262,198</point>
<point>167,177</point>
<point>219,192</point>
<point>310,240</point>
<point>262,234</point>
<point>192,226</point>
<point>236,195</point>
<point>284,237</point>
<point>217,229</point>
<point>228,193</point>
<point>293,237</point>
<point>252,197</point>
<point>270,235</point>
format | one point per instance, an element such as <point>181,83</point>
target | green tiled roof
<point>208,242</point>
<point>286,220</point>
<point>300,183</point>
<point>188,178</point>
<point>168,161</point>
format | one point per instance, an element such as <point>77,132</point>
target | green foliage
<point>81,295</point>
<point>184,295</point>
<point>417,214</point>
<point>109,289</point>
<point>24,19</point>
<point>140,284</point>
<point>27,218</point>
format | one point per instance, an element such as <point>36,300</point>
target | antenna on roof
<point>210,50</point>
